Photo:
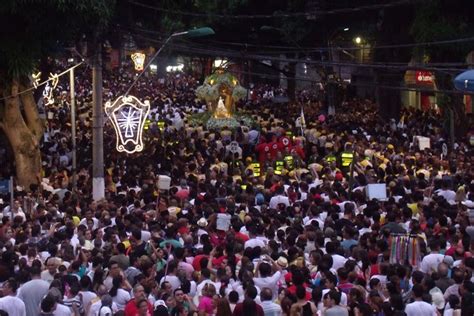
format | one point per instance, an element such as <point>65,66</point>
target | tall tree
<point>30,31</point>
<point>439,20</point>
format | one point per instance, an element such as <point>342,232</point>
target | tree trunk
<point>24,136</point>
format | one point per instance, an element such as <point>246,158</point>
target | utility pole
<point>98,183</point>
<point>73,128</point>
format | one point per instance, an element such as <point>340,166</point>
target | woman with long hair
<point>222,307</point>
<point>119,295</point>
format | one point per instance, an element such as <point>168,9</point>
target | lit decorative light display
<point>128,115</point>
<point>50,86</point>
<point>36,79</point>
<point>138,60</point>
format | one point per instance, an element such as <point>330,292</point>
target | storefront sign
<point>424,77</point>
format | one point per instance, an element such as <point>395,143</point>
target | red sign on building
<point>424,77</point>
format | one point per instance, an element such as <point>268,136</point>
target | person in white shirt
<point>446,193</point>
<point>430,262</point>
<point>269,307</point>
<point>254,241</point>
<point>338,261</point>
<point>419,307</point>
<point>9,302</point>
<point>279,198</point>
<point>264,277</point>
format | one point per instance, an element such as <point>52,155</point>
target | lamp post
<point>330,84</point>
<point>73,128</point>
<point>198,32</point>
<point>98,184</point>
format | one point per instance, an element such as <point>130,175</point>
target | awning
<point>465,81</point>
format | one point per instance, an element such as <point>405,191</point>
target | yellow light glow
<point>36,79</point>
<point>138,60</point>
<point>358,40</point>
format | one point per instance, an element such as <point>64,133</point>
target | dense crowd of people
<point>288,224</point>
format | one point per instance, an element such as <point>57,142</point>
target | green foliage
<point>31,29</point>
<point>444,20</point>
<point>239,93</point>
<point>209,91</point>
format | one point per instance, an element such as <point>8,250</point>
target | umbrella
<point>465,81</point>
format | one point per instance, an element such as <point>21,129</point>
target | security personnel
<point>289,162</point>
<point>279,166</point>
<point>330,156</point>
<point>347,157</point>
<point>255,168</point>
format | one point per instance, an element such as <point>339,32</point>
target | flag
<point>303,122</point>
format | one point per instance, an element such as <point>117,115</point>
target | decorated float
<point>221,91</point>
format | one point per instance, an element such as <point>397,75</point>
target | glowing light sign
<point>50,86</point>
<point>128,115</point>
<point>138,61</point>
<point>36,79</point>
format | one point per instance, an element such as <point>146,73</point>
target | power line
<point>370,85</point>
<point>233,54</point>
<point>275,15</point>
<point>326,48</point>
<point>42,83</point>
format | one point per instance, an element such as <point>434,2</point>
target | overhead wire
<point>42,83</point>
<point>373,85</point>
<point>241,55</point>
<point>308,14</point>
<point>327,48</point>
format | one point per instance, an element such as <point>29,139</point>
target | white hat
<point>282,262</point>
<point>105,311</point>
<point>159,303</point>
<point>437,298</point>
<point>202,222</point>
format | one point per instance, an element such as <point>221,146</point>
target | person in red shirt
<point>263,148</point>
<point>248,306</point>
<point>275,147</point>
<point>138,294</point>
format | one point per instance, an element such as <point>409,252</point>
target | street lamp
<point>127,121</point>
<point>358,40</point>
<point>198,32</point>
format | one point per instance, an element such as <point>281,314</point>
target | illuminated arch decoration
<point>138,60</point>
<point>128,115</point>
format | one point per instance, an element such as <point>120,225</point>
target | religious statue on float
<point>220,91</point>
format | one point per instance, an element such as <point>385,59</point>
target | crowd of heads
<point>285,225</point>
